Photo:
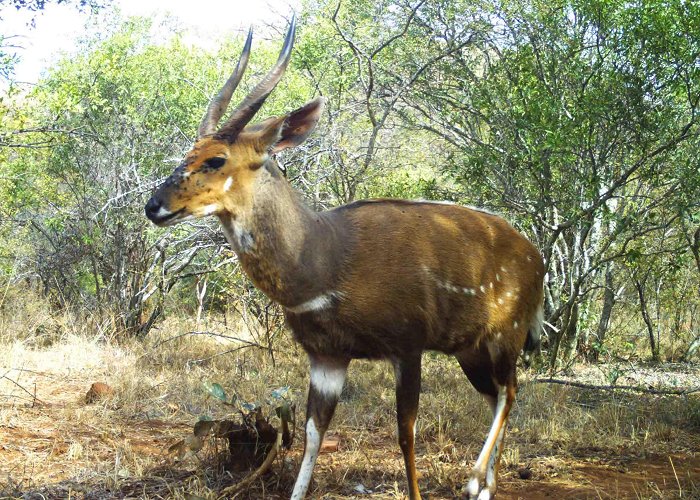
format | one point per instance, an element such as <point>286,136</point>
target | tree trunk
<point>604,322</point>
<point>647,319</point>
<point>570,332</point>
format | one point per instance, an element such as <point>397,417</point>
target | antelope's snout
<point>159,214</point>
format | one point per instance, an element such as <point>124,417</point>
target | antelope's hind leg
<point>325,385</point>
<point>408,374</point>
<point>499,391</point>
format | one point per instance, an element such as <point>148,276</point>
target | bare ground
<point>576,443</point>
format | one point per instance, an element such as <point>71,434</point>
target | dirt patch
<point>605,477</point>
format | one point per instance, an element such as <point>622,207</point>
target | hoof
<point>476,489</point>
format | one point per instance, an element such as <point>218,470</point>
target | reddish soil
<point>57,446</point>
<point>651,477</point>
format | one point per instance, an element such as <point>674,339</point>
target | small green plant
<point>249,431</point>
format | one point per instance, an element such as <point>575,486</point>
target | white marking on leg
<point>318,303</point>
<point>473,486</point>
<point>313,443</point>
<point>481,462</point>
<point>327,379</point>
<point>484,495</point>
<point>491,468</point>
<point>228,184</point>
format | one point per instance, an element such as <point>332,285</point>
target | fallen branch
<point>648,390</point>
<point>232,490</point>
<point>33,395</point>
<point>211,334</point>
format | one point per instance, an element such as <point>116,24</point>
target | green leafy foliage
<point>576,120</point>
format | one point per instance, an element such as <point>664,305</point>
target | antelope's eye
<point>214,163</point>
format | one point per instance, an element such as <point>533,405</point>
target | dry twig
<point>648,390</point>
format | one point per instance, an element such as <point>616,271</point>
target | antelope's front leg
<point>325,386</point>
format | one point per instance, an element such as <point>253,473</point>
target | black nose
<point>152,208</point>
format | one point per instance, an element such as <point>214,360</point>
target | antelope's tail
<point>534,336</point>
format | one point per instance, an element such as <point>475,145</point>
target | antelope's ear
<point>294,128</point>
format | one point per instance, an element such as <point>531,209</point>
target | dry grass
<point>578,443</point>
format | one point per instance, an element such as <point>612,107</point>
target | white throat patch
<point>240,240</point>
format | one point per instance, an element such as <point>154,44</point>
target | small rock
<point>524,473</point>
<point>97,392</point>
<point>330,445</point>
<point>362,489</point>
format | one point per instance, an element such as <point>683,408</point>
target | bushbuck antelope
<point>376,279</point>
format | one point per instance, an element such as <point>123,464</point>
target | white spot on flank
<point>503,269</point>
<point>313,443</point>
<point>482,288</point>
<point>529,257</point>
<point>491,285</point>
<point>327,379</point>
<point>515,324</point>
<point>318,303</point>
<point>499,336</point>
<point>498,277</point>
<point>500,301</point>
<point>509,294</point>
<point>228,184</point>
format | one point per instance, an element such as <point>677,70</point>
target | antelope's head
<point>218,175</point>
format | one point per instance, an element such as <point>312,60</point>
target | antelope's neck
<point>291,253</point>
